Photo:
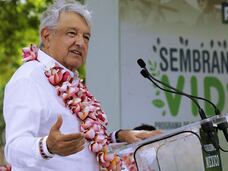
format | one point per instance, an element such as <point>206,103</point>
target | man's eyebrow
<point>73,28</point>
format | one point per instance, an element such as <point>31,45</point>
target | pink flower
<point>56,78</point>
<point>66,76</point>
<point>75,108</point>
<point>109,156</point>
<point>90,134</point>
<point>95,147</point>
<point>96,126</point>
<point>101,116</point>
<point>29,53</point>
<point>82,115</point>
<point>100,138</point>
<point>88,123</point>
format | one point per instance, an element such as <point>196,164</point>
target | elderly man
<point>53,123</point>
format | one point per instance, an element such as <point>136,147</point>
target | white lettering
<point>212,161</point>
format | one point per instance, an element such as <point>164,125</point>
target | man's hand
<point>131,136</point>
<point>64,145</point>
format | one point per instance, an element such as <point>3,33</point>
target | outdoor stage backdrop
<point>185,44</point>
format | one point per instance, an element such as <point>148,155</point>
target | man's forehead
<point>72,20</point>
<point>70,15</point>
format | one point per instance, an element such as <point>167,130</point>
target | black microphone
<point>143,65</point>
<point>145,73</point>
<point>207,127</point>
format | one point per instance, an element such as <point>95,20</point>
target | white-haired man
<point>52,121</point>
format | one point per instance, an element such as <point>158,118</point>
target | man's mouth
<point>76,52</point>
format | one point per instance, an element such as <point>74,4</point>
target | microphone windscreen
<point>144,73</point>
<point>141,63</point>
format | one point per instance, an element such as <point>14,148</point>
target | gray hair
<point>50,17</point>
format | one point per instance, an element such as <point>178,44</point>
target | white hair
<point>50,17</point>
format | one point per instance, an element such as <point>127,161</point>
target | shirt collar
<point>49,61</point>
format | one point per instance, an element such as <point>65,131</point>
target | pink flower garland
<point>29,53</point>
<point>87,109</point>
<point>5,168</point>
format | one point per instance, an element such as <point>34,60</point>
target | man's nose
<point>79,40</point>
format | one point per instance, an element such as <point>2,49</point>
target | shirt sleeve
<point>23,108</point>
<point>113,137</point>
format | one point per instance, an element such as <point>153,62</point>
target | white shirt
<point>31,107</point>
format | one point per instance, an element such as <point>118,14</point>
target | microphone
<point>208,126</point>
<point>145,73</point>
<point>143,65</point>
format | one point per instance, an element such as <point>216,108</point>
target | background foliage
<point>18,29</point>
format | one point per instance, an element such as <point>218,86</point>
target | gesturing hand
<point>131,136</point>
<point>64,144</point>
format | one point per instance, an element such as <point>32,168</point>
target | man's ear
<point>46,36</point>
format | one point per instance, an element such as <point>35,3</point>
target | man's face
<point>68,42</point>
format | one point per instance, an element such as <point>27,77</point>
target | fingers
<point>64,144</point>
<point>155,132</point>
<point>147,134</point>
<point>133,140</point>
<point>71,147</point>
<point>128,136</point>
<point>57,124</point>
<point>72,151</point>
<point>132,136</point>
<point>74,143</point>
<point>69,137</point>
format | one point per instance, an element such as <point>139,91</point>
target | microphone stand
<point>207,127</point>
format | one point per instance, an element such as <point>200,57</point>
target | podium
<point>188,148</point>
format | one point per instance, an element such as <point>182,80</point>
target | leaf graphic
<point>158,103</point>
<point>152,69</point>
<point>201,44</point>
<point>158,41</point>
<point>155,65</point>
<point>156,74</point>
<point>157,93</point>
<point>154,49</point>
<point>219,44</point>
<point>181,40</point>
<point>212,43</point>
<point>186,42</point>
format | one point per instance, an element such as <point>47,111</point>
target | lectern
<point>188,148</point>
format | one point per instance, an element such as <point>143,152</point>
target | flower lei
<point>82,104</point>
